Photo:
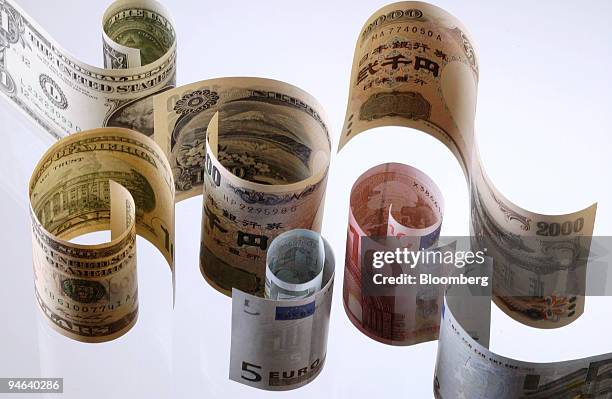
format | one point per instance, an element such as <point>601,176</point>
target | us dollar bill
<point>64,95</point>
<point>259,150</point>
<point>103,179</point>
<point>281,344</point>
<point>393,200</point>
<point>415,66</point>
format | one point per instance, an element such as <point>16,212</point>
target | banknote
<point>103,179</point>
<point>259,151</point>
<point>539,276</point>
<point>467,368</point>
<point>262,165</point>
<point>294,265</point>
<point>64,95</point>
<point>415,66</point>
<point>400,201</point>
<point>281,344</point>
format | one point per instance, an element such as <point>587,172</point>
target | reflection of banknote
<point>399,201</point>
<point>90,181</point>
<point>415,66</point>
<point>65,95</point>
<point>265,163</point>
<point>281,344</point>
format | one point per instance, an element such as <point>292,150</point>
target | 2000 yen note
<point>65,95</point>
<point>415,66</point>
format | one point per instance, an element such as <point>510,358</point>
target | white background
<point>542,125</point>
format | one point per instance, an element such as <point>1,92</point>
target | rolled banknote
<point>65,95</point>
<point>108,178</point>
<point>265,137</point>
<point>264,148</point>
<point>265,173</point>
<point>415,66</point>
<point>294,265</point>
<point>281,344</point>
<point>380,193</point>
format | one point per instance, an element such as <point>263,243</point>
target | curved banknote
<point>263,167</point>
<point>65,95</point>
<point>415,66</point>
<point>467,368</point>
<point>281,344</point>
<point>400,201</point>
<point>108,178</point>
<point>265,171</point>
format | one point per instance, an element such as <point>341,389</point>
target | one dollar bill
<point>65,95</point>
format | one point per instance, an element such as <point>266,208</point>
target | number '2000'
<point>555,229</point>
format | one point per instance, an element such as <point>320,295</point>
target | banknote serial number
<point>31,385</point>
<point>267,211</point>
<point>47,108</point>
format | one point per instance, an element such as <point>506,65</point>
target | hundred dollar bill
<point>399,201</point>
<point>101,179</point>
<point>415,66</point>
<point>262,166</point>
<point>281,344</point>
<point>466,368</point>
<point>64,95</point>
